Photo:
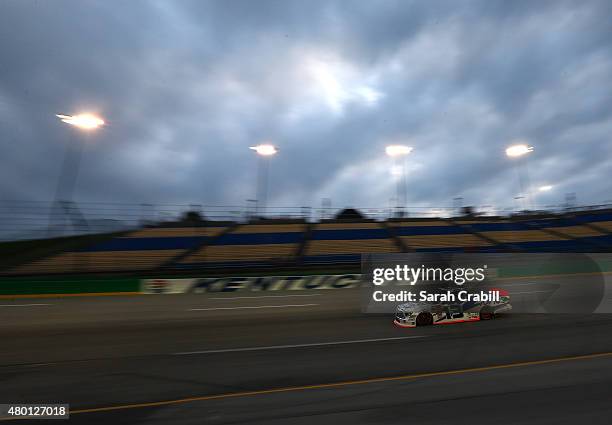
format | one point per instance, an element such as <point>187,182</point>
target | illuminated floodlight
<point>518,150</point>
<point>398,150</point>
<point>82,121</point>
<point>545,188</point>
<point>265,149</point>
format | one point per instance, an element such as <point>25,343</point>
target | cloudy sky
<point>187,86</point>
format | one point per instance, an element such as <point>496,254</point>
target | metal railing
<point>21,220</point>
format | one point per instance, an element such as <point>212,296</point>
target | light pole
<point>543,189</point>
<point>264,152</point>
<point>72,155</point>
<point>64,192</point>
<point>458,205</point>
<point>399,153</point>
<point>517,151</point>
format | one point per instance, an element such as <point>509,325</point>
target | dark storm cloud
<point>187,86</point>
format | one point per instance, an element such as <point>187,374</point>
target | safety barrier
<point>68,286</point>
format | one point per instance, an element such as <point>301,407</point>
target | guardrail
<point>21,220</point>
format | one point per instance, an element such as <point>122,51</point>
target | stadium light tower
<point>516,152</point>
<point>399,153</point>
<point>72,156</point>
<point>265,152</point>
<point>70,165</point>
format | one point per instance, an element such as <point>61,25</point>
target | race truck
<point>412,314</point>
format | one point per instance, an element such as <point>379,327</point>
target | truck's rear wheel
<point>424,319</point>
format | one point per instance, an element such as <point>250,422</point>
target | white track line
<point>22,305</point>
<point>265,296</point>
<point>315,344</point>
<point>250,307</point>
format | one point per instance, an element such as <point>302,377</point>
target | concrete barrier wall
<point>65,286</point>
<point>236,284</point>
<point>116,286</point>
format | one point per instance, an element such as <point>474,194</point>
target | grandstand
<point>250,243</point>
<point>342,242</point>
<point>142,249</point>
<point>217,246</point>
<point>437,235</point>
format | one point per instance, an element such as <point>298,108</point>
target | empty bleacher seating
<point>97,261</point>
<point>166,232</point>
<point>601,221</point>
<point>138,250</point>
<point>274,243</point>
<point>252,243</point>
<point>437,235</point>
<point>543,234</point>
<point>347,241</point>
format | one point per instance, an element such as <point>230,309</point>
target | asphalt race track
<point>300,358</point>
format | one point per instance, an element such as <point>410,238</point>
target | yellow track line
<point>338,384</point>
